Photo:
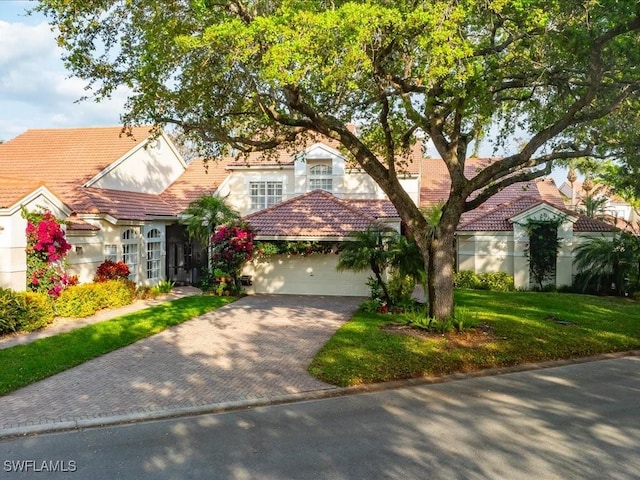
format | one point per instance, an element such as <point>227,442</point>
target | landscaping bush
<point>400,289</point>
<point>24,311</point>
<point>466,279</point>
<point>84,300</point>
<point>109,270</point>
<point>39,310</point>
<point>494,281</point>
<point>12,311</point>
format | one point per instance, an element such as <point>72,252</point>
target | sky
<point>35,89</point>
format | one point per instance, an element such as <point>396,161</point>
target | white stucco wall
<point>235,189</point>
<point>485,252</point>
<point>148,168</point>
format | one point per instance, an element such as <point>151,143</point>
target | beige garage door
<point>305,275</point>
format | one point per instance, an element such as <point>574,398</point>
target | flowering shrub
<point>232,247</point>
<point>47,249</point>
<point>110,270</point>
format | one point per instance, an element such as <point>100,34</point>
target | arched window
<point>320,176</point>
<point>154,251</point>
<point>130,252</point>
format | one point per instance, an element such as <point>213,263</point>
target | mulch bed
<point>471,338</point>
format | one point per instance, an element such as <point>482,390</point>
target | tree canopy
<point>258,74</point>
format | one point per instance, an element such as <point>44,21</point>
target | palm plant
<point>206,213</point>
<point>606,263</point>
<point>407,260</point>
<point>367,250</point>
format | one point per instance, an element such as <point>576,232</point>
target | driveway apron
<point>255,348</point>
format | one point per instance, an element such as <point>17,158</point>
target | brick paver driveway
<point>258,347</point>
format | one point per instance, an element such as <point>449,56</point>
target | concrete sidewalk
<point>252,351</point>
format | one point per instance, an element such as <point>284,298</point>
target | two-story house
<point>123,195</point>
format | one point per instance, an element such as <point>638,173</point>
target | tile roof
<point>77,224</point>
<point>317,214</point>
<point>374,208</point>
<point>494,214</point>
<point>12,190</point>
<point>201,177</point>
<point>67,155</point>
<point>65,159</point>
<point>128,205</point>
<point>497,219</point>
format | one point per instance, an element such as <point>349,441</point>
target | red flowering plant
<point>232,246</point>
<point>110,270</point>
<point>47,250</point>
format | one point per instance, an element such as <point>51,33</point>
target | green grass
<point>361,352</point>
<point>25,364</point>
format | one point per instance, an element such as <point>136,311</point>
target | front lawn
<point>25,364</point>
<point>521,327</point>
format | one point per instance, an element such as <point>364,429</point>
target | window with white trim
<point>111,252</point>
<point>130,252</point>
<point>320,177</point>
<point>154,254</point>
<point>265,194</point>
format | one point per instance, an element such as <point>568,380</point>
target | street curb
<point>330,392</point>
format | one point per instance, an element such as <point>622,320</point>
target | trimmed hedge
<point>24,311</point>
<point>86,299</point>
<point>40,311</point>
<point>493,281</point>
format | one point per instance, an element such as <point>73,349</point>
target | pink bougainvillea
<point>47,249</point>
<point>46,236</point>
<point>232,246</point>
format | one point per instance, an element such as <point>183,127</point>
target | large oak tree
<point>261,74</point>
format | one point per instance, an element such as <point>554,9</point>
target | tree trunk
<point>441,262</point>
<point>440,276</point>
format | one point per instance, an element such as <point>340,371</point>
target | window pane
<point>265,194</point>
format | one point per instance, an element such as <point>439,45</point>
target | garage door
<point>305,275</point>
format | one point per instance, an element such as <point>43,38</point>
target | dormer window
<point>320,177</point>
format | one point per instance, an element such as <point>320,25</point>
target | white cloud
<point>20,43</point>
<point>35,89</point>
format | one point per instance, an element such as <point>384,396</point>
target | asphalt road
<point>573,422</point>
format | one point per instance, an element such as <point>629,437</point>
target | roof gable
<point>544,210</point>
<point>153,161</point>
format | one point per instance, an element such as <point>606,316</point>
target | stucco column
<point>520,260</point>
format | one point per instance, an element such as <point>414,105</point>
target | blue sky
<point>35,88</point>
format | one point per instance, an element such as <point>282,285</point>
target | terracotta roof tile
<point>128,205</point>
<point>12,190</point>
<point>314,214</point>
<point>77,224</point>
<point>201,177</point>
<point>374,208</point>
<point>66,158</point>
<point>497,219</point>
